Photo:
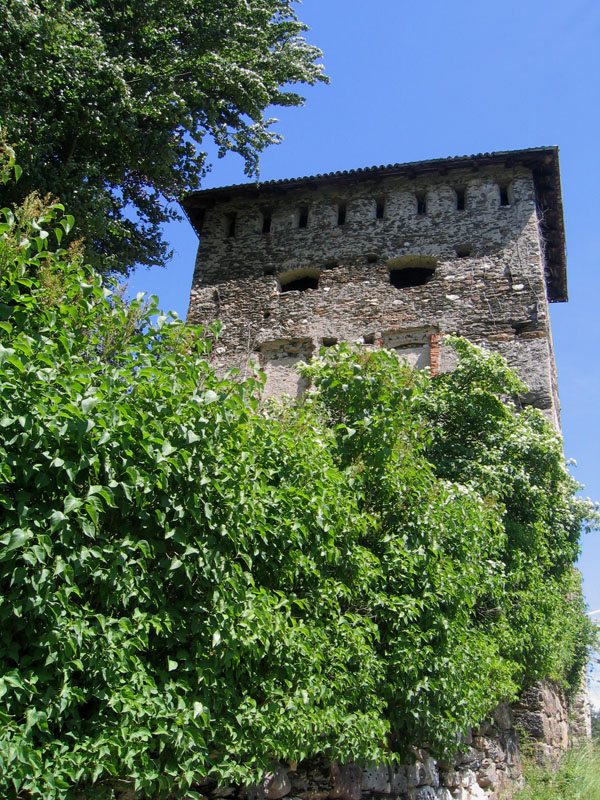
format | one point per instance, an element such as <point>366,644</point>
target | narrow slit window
<point>266,221</point>
<point>379,207</point>
<point>421,203</point>
<point>230,222</point>
<point>303,217</point>
<point>341,219</point>
<point>504,198</point>
<point>460,199</point>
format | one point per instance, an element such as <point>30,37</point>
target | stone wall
<point>487,767</point>
<point>486,277</point>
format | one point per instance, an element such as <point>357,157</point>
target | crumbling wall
<point>487,280</point>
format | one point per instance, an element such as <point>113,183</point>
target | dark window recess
<point>230,220</point>
<point>329,341</point>
<point>371,258</point>
<point>504,200</point>
<point>199,221</point>
<point>407,271</point>
<point>269,270</point>
<point>421,203</point>
<point>379,207</point>
<point>463,251</point>
<point>299,280</point>
<point>303,217</point>
<point>266,314</point>
<point>411,276</point>
<point>369,338</point>
<point>301,284</point>
<point>332,263</point>
<point>341,214</point>
<point>266,222</point>
<point>525,327</point>
<point>460,199</point>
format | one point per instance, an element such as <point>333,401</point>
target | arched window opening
<point>299,280</point>
<point>407,271</point>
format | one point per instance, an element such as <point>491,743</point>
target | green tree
<point>111,101</point>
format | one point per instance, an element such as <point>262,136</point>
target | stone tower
<point>394,256</point>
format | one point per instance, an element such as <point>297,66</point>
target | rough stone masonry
<point>396,256</point>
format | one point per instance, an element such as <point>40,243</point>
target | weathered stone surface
<point>346,781</point>
<point>416,774</point>
<point>423,793</point>
<point>398,778</point>
<point>432,776</point>
<point>469,778</point>
<point>471,756</point>
<point>452,779</point>
<point>284,294</point>
<point>376,778</point>
<point>486,774</point>
<point>276,784</point>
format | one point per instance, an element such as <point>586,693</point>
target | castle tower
<point>393,256</point>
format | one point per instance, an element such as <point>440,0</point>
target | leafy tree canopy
<point>111,101</point>
<point>194,583</point>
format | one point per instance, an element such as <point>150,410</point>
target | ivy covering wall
<point>195,582</point>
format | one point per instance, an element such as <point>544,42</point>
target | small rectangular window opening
<point>341,214</point>
<point>421,203</point>
<point>460,199</point>
<point>303,216</point>
<point>230,220</point>
<point>266,221</point>
<point>379,207</point>
<point>504,199</point>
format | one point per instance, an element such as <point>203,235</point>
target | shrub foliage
<point>195,583</point>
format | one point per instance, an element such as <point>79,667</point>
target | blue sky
<point>416,80</point>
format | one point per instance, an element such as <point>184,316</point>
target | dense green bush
<point>193,583</point>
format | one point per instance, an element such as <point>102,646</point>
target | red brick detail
<point>434,352</point>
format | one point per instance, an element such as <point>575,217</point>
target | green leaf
<point>72,503</point>
<point>14,539</point>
